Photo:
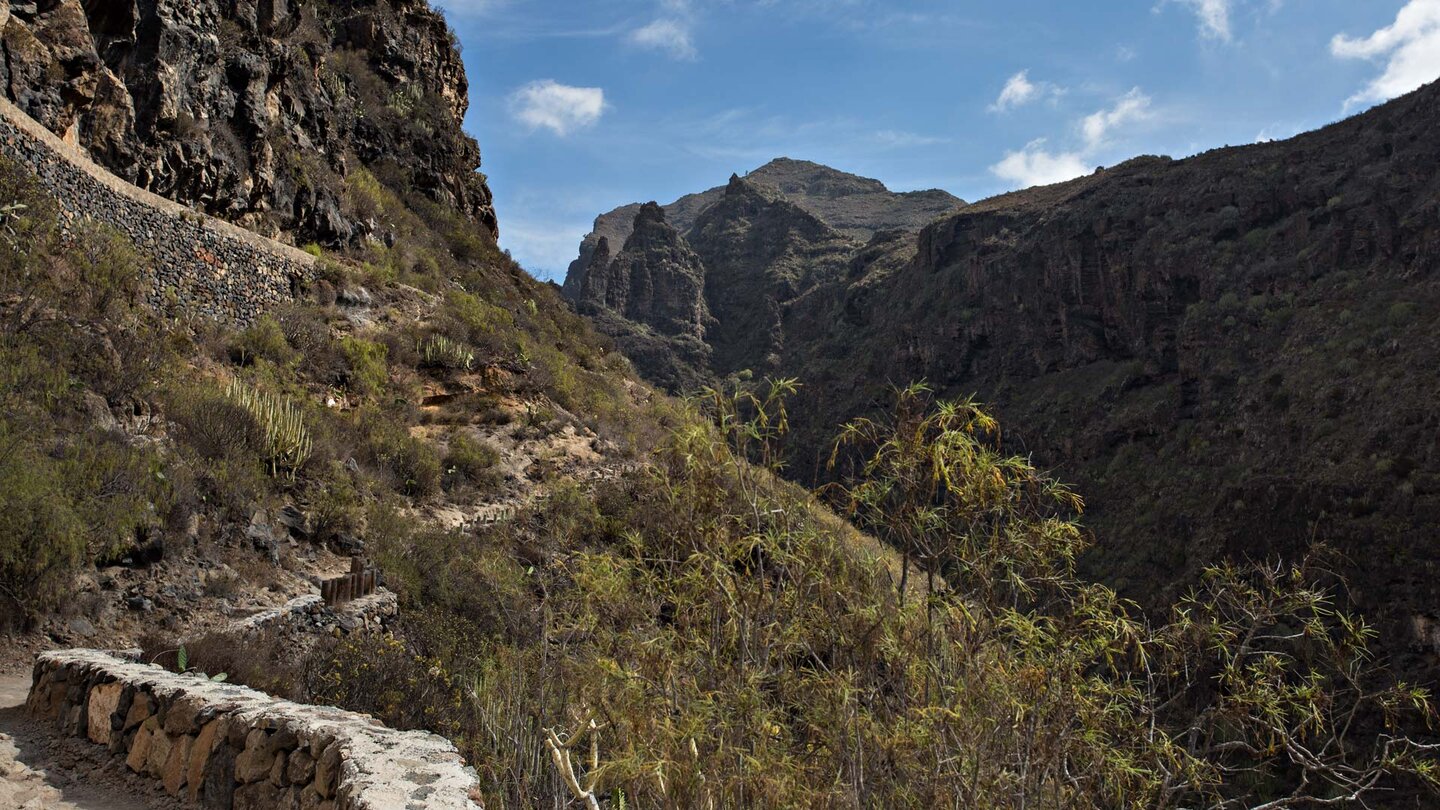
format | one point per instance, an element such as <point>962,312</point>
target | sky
<point>584,105</point>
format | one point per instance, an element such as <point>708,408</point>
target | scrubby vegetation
<point>694,632</point>
<point>119,428</point>
<point>711,636</point>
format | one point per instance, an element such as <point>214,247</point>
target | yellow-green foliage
<point>736,648</point>
<point>368,370</point>
<point>412,464</point>
<point>264,339</point>
<point>72,492</point>
<point>476,315</point>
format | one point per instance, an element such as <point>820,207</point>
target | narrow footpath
<point>40,771</point>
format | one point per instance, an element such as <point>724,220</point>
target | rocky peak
<point>856,206</point>
<point>656,279</point>
<point>257,111</point>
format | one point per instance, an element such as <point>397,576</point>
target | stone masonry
<point>202,266</point>
<point>225,747</point>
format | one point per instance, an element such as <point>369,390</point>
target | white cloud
<point>557,107</point>
<point>1018,92</point>
<point>1037,166</point>
<point>1132,108</point>
<point>1214,17</point>
<point>1410,48</point>
<point>669,35</point>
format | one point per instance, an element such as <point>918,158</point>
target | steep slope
<point>1230,355</point>
<point>760,251</point>
<point>255,112</point>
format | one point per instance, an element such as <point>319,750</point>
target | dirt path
<point>40,771</point>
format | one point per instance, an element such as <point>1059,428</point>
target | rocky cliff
<point>257,111</point>
<point>756,244</point>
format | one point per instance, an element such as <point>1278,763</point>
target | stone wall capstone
<point>228,747</point>
<point>203,266</point>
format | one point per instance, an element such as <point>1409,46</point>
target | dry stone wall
<point>202,266</point>
<point>223,746</point>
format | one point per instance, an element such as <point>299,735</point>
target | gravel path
<point>40,771</point>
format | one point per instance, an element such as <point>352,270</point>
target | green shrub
<point>471,460</point>
<point>368,372</point>
<point>264,339</point>
<point>413,465</point>
<point>42,538</point>
<point>337,506</point>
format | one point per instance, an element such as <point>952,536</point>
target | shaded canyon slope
<point>257,111</point>
<point>1230,355</point>
<point>731,259</point>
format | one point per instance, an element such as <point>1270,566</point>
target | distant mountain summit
<point>730,258</point>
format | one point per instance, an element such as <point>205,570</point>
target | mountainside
<point>607,597</point>
<point>756,243</point>
<point>1230,355</point>
<point>258,112</point>
<point>1227,354</point>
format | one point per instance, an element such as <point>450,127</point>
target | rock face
<point>1230,355</point>
<point>254,110</point>
<point>761,251</point>
<point>754,245</point>
<point>203,266</point>
<point>655,280</point>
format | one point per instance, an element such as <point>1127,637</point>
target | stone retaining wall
<point>223,746</point>
<point>203,266</point>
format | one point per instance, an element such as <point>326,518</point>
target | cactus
<point>442,352</point>
<point>287,441</point>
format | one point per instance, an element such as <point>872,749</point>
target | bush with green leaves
<point>471,460</point>
<point>368,371</point>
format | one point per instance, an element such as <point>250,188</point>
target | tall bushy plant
<point>287,440</point>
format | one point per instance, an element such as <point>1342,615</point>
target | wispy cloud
<point>896,139</point>
<point>1038,164</point>
<point>560,108</point>
<point>1019,91</point>
<point>545,245</point>
<point>1098,127</point>
<point>1409,47</point>
<point>1214,17</point>
<point>670,35</point>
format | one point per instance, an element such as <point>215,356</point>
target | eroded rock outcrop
<point>656,279</point>
<point>254,110</point>
<point>756,244</point>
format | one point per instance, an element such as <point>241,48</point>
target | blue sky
<point>583,105</point>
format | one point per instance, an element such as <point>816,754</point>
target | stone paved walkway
<point>40,772</point>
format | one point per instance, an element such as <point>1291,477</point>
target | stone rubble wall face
<point>225,747</point>
<point>203,266</point>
